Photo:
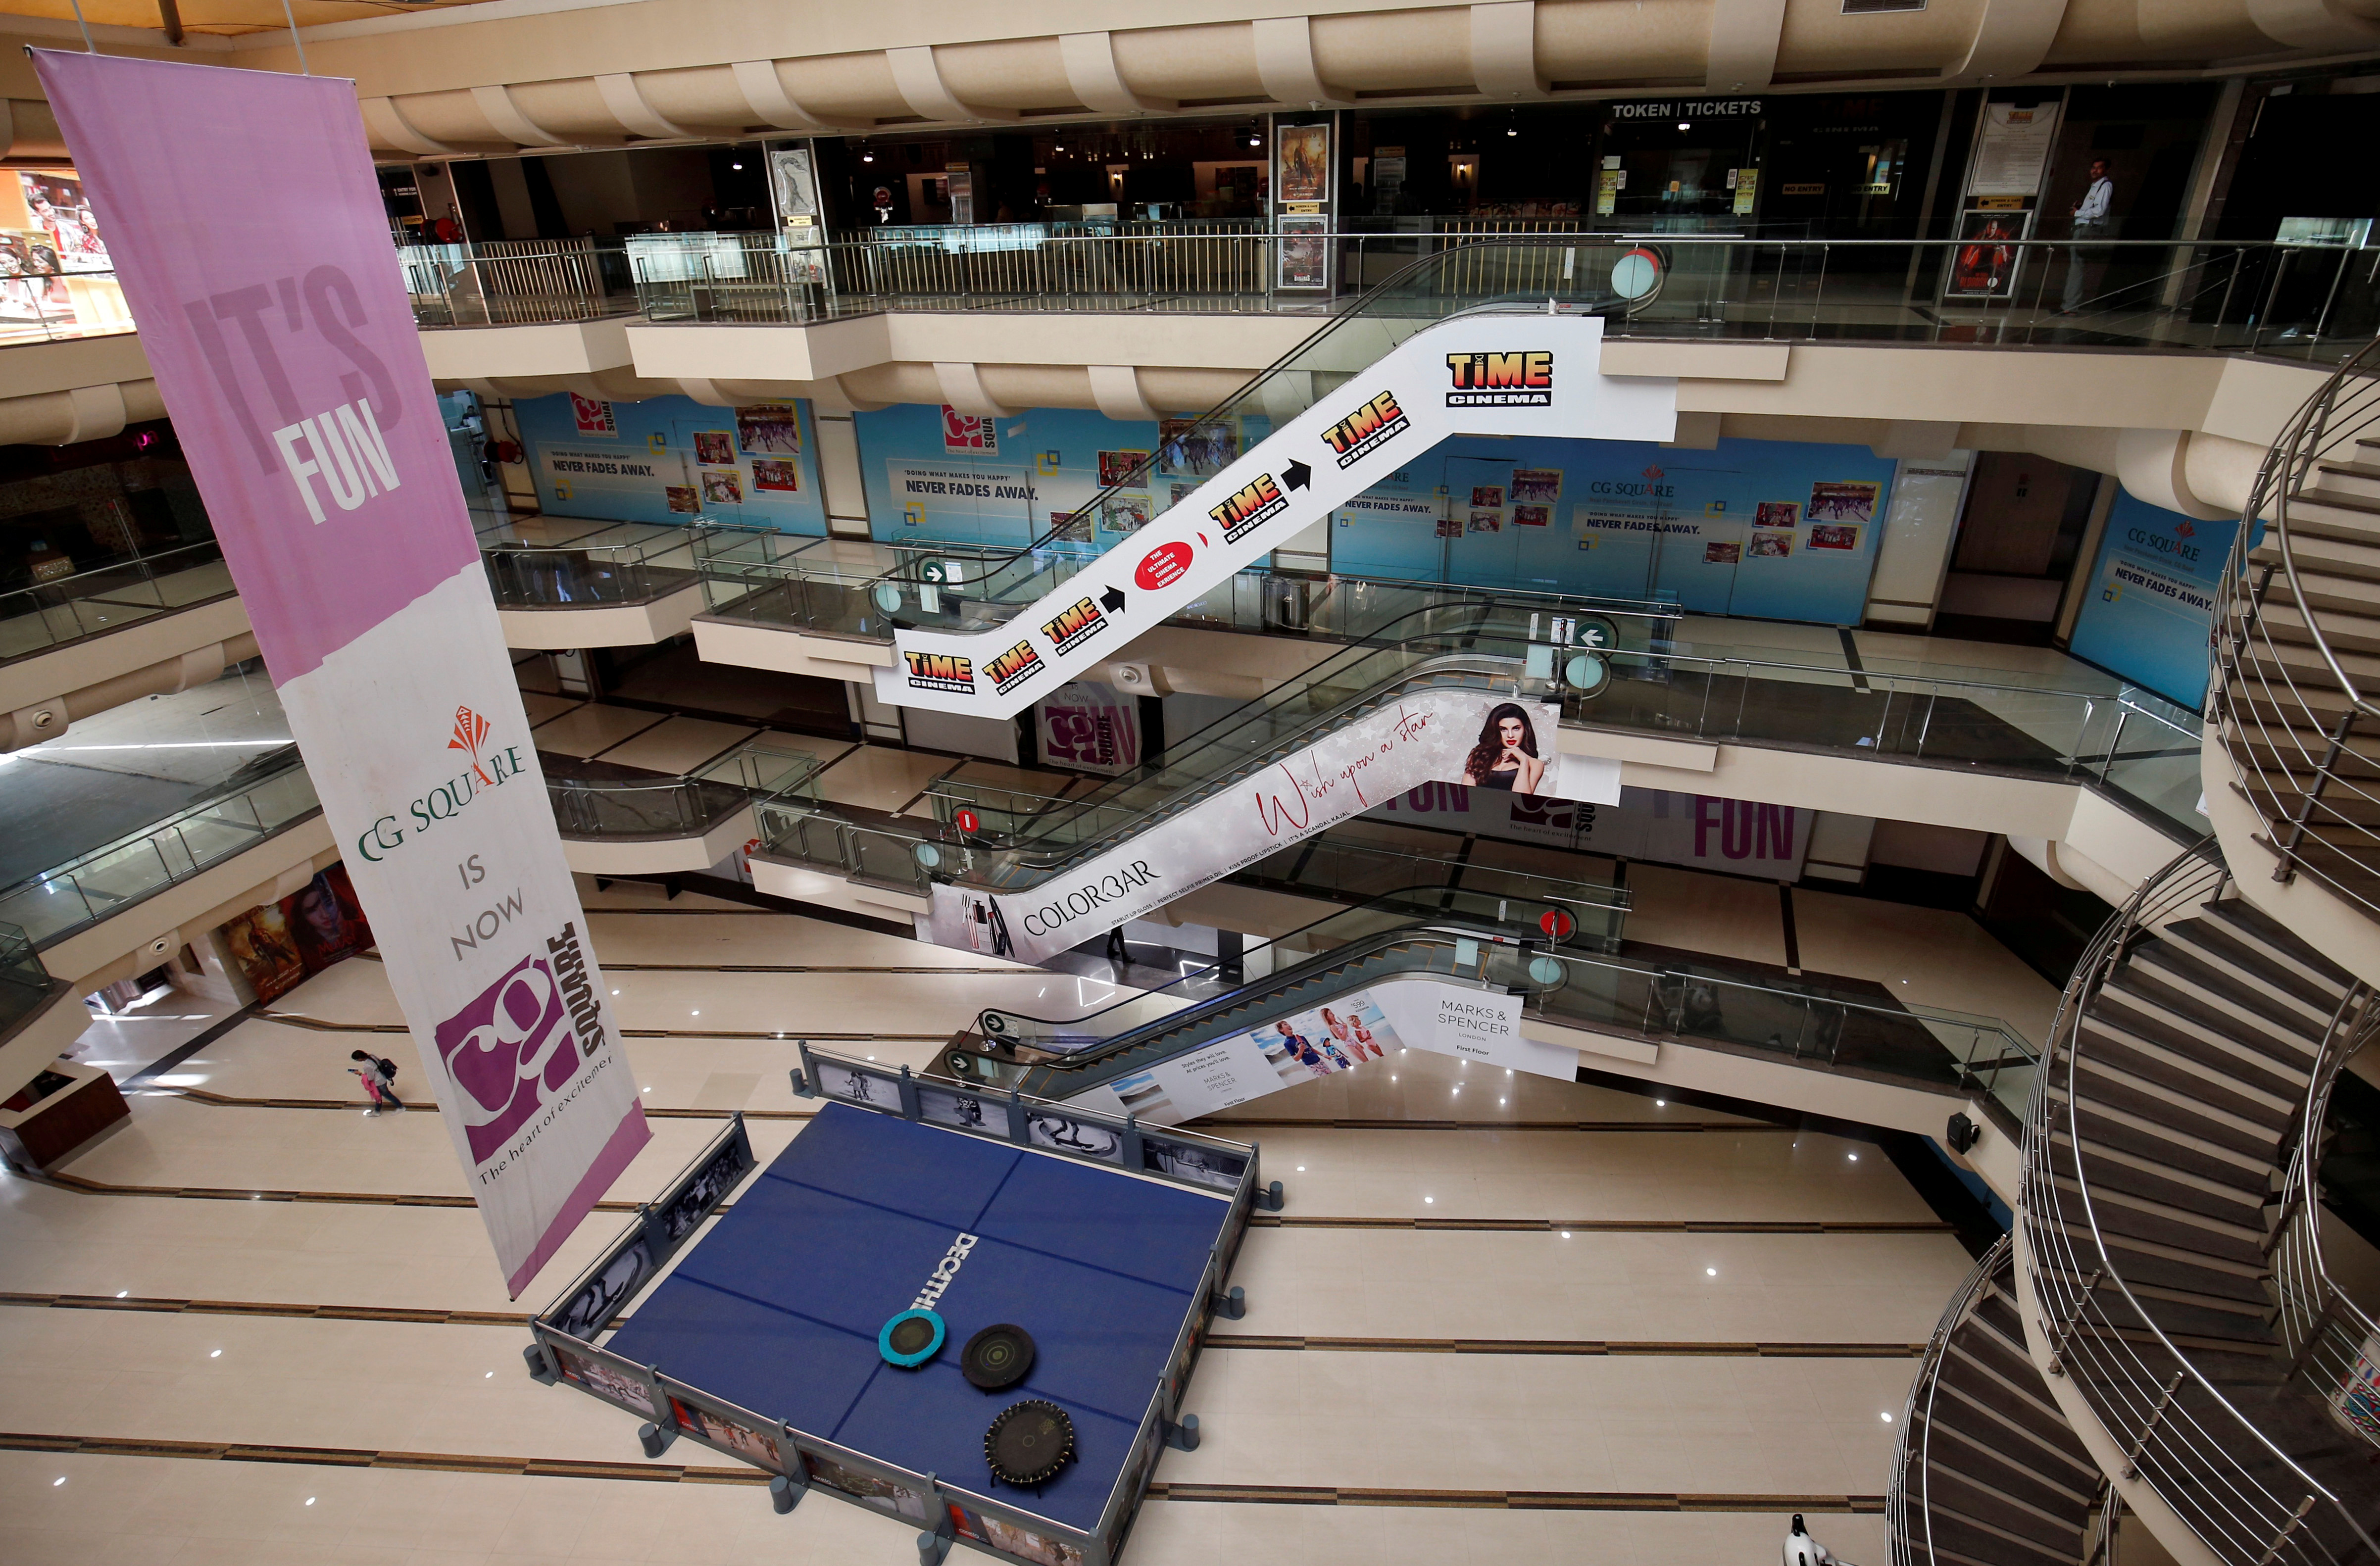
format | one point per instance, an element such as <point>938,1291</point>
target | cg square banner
<point>296,382</point>
<point>1516,375</point>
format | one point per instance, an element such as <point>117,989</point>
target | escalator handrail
<point>1360,309</point>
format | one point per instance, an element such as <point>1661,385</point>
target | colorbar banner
<point>1467,736</point>
<point>1480,374</point>
<point>286,352</point>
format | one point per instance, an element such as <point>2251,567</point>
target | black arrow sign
<point>1112,601</point>
<point>1296,475</point>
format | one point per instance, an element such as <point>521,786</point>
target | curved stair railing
<point>2330,1340</point>
<point>1987,1470</point>
<point>2296,642</point>
<point>2191,1041</point>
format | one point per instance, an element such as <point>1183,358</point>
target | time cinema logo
<point>1075,626</point>
<point>1250,508</point>
<point>941,670</point>
<point>1517,380</point>
<point>1013,667</point>
<point>1367,429</point>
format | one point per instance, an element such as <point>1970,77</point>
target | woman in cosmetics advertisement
<point>1506,756</point>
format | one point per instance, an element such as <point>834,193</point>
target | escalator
<point>1402,709</point>
<point>1360,959</point>
<point>1492,339</point>
<point>1509,977</point>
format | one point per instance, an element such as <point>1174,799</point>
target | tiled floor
<point>1658,1423</point>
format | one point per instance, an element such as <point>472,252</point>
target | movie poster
<point>280,945</point>
<point>1304,253</point>
<point>1304,154</point>
<point>1984,266</point>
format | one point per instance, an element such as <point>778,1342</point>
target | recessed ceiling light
<point>1710,1272</point>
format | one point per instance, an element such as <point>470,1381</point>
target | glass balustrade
<point>112,877</point>
<point>24,983</point>
<point>2311,301</point>
<point>595,801</point>
<point>84,603</point>
<point>1496,943</point>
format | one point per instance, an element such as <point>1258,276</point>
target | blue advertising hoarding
<point>2149,605</point>
<point>1773,529</point>
<point>935,473</point>
<point>672,459</point>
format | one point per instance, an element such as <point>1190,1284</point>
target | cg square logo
<point>522,1038</point>
<point>490,767</point>
<point>1516,380</point>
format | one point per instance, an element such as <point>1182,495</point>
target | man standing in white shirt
<point>2091,221</point>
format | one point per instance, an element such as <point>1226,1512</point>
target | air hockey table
<point>770,1338</point>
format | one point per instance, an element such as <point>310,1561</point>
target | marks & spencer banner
<point>1481,374</point>
<point>1477,738</point>
<point>296,382</point>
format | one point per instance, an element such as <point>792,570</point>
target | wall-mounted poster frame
<point>800,212</point>
<point>2009,159</point>
<point>1305,150</point>
<point>1990,255</point>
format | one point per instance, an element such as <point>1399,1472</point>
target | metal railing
<point>2330,1340</point>
<point>602,566</point>
<point>53,304</point>
<point>755,773</point>
<point>103,598</point>
<point>514,282</point>
<point>2245,1498</point>
<point>2294,716</point>
<point>1909,1513</point>
<point>112,878</point>
<point>2307,300</point>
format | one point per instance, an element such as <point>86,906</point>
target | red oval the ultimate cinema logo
<point>1163,567</point>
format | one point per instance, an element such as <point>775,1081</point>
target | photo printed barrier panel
<point>997,1521</point>
<point>661,1229</point>
<point>1470,1022</point>
<point>1489,374</point>
<point>1181,1157</point>
<point>295,377</point>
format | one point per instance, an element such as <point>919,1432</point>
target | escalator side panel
<point>1423,737</point>
<point>1483,374</point>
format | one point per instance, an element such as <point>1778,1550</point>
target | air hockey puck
<point>1029,1442</point>
<point>997,1356</point>
<point>911,1338</point>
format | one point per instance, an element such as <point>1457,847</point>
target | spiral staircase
<point>2161,1343</point>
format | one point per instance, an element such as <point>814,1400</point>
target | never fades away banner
<point>285,351</point>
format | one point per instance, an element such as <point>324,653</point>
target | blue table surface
<point>777,1308</point>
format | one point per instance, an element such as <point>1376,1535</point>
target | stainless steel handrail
<point>1912,1454</point>
<point>2298,787</point>
<point>2322,1328</point>
<point>2190,1456</point>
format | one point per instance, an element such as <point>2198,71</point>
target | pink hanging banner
<point>248,229</point>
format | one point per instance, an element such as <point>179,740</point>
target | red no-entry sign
<point>967,820</point>
<point>1556,923</point>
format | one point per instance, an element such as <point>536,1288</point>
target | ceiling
<point>220,16</point>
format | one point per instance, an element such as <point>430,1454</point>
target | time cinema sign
<point>1500,374</point>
